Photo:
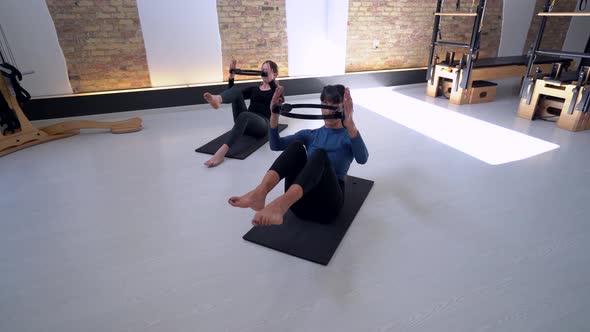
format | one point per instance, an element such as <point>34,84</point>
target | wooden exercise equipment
<point>483,71</point>
<point>467,81</point>
<point>28,135</point>
<point>556,91</point>
<point>455,80</point>
<point>570,98</point>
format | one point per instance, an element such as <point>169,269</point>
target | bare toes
<point>234,201</point>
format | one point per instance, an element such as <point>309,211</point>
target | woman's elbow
<point>363,160</point>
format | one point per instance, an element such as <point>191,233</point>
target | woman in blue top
<point>313,163</point>
<point>252,120</point>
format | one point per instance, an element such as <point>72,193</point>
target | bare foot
<point>214,161</point>
<point>254,199</point>
<point>213,100</point>
<point>218,157</point>
<point>272,214</point>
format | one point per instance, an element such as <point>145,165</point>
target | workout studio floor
<point>103,232</point>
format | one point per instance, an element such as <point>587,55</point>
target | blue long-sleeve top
<point>341,149</point>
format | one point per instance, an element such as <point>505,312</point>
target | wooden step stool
<point>577,121</point>
<point>480,91</point>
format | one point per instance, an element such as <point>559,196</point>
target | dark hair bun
<point>333,93</point>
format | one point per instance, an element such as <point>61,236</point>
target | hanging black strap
<point>15,77</point>
<point>8,121</point>
<point>582,5</point>
<point>285,110</point>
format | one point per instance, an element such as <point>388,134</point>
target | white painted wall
<point>182,41</point>
<point>33,40</point>
<point>516,20</point>
<point>316,32</point>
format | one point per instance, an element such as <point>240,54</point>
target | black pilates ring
<point>248,72</point>
<point>285,110</point>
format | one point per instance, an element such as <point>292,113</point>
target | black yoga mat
<point>244,146</point>
<point>313,241</point>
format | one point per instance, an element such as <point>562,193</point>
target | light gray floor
<point>103,232</point>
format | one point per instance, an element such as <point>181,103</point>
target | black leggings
<point>245,123</point>
<point>323,192</point>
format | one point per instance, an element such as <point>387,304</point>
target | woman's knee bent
<point>319,155</point>
<point>296,147</point>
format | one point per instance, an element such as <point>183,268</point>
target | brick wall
<point>253,31</point>
<point>102,43</point>
<point>555,29</point>
<point>104,50</point>
<point>404,31</point>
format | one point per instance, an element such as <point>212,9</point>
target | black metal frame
<point>532,55</point>
<point>473,46</point>
<point>285,110</point>
<point>2,39</point>
<point>586,61</point>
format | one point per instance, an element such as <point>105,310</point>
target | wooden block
<point>549,107</point>
<point>482,92</point>
<point>446,87</point>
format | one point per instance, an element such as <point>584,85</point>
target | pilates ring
<point>248,72</point>
<point>285,110</point>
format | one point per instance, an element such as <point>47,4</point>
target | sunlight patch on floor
<point>487,142</point>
